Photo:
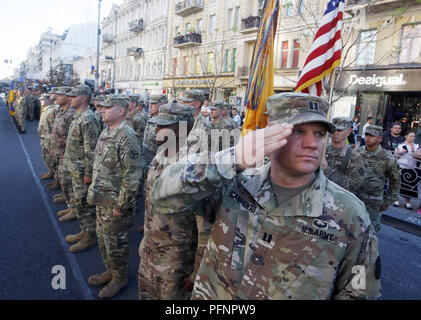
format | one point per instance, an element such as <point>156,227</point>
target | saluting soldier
<point>282,231</point>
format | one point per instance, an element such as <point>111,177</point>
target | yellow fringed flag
<point>260,85</point>
<point>12,99</point>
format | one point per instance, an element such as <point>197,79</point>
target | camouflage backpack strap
<point>345,160</point>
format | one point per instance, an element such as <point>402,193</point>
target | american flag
<point>325,51</point>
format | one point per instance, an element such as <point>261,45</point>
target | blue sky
<point>23,21</point>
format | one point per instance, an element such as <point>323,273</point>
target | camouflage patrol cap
<point>134,98</point>
<point>99,98</point>
<point>53,90</point>
<point>374,131</point>
<point>157,98</point>
<point>63,90</point>
<point>44,96</point>
<point>172,113</point>
<point>217,105</point>
<point>81,90</point>
<point>227,106</point>
<point>193,95</point>
<point>298,108</point>
<point>114,101</point>
<point>342,123</point>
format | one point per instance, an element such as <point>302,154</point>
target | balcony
<point>188,40</point>
<point>107,38</point>
<point>243,72</point>
<point>108,59</point>
<point>250,24</point>
<point>187,7</point>
<point>375,6</point>
<point>136,25</point>
<point>135,52</point>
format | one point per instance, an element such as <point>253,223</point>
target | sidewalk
<point>402,218</point>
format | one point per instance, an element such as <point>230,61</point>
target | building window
<point>410,44</point>
<point>196,63</point>
<point>174,66</point>
<point>212,24</point>
<point>296,53</point>
<point>185,65</point>
<point>210,62</point>
<point>177,31</point>
<point>233,59</point>
<point>188,28</point>
<point>366,47</point>
<point>287,8</point>
<point>237,18</point>
<point>229,19</point>
<point>199,26</point>
<point>226,61</point>
<point>284,54</point>
<point>301,7</point>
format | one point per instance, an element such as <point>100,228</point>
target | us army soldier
<point>138,121</point>
<point>167,251</point>
<point>380,165</point>
<point>343,165</point>
<point>79,159</point>
<point>44,132</point>
<point>283,231</point>
<point>149,146</point>
<point>115,182</point>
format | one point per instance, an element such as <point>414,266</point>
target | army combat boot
<point>68,217</point>
<point>53,186</point>
<point>100,279</point>
<point>74,237</point>
<point>64,212</point>
<point>47,175</point>
<point>113,287</point>
<point>59,199</point>
<point>87,241</point>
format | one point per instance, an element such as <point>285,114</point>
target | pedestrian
<point>343,165</point>
<point>114,188</point>
<point>418,132</point>
<point>380,165</point>
<point>79,158</point>
<point>282,231</point>
<point>404,153</point>
<point>370,121</point>
<point>236,117</point>
<point>392,138</point>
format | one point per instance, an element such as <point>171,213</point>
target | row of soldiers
<point>216,227</point>
<point>25,105</point>
<point>100,161</point>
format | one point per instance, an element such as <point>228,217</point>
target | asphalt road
<point>32,240</point>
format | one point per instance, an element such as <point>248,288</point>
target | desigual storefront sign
<point>380,80</point>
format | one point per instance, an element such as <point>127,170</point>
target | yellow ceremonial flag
<point>260,85</point>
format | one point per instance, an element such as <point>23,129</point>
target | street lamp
<point>97,48</point>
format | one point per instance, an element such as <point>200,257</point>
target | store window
<point>410,44</point>
<point>366,47</point>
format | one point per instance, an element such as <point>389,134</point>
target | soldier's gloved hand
<point>188,284</point>
<point>256,145</point>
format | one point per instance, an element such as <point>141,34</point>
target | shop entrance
<point>403,107</point>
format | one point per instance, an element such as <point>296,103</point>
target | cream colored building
<point>134,44</point>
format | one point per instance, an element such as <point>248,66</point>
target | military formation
<point>281,213</point>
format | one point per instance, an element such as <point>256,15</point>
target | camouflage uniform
<point>149,146</point>
<point>379,166</point>
<point>79,158</point>
<point>230,120</point>
<point>22,111</point>
<point>115,182</point>
<point>345,166</point>
<point>304,248</point>
<point>45,127</point>
<point>137,120</point>
<point>30,106</point>
<point>59,134</point>
<point>168,249</point>
<point>98,113</point>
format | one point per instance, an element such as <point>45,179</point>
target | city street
<point>32,239</point>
